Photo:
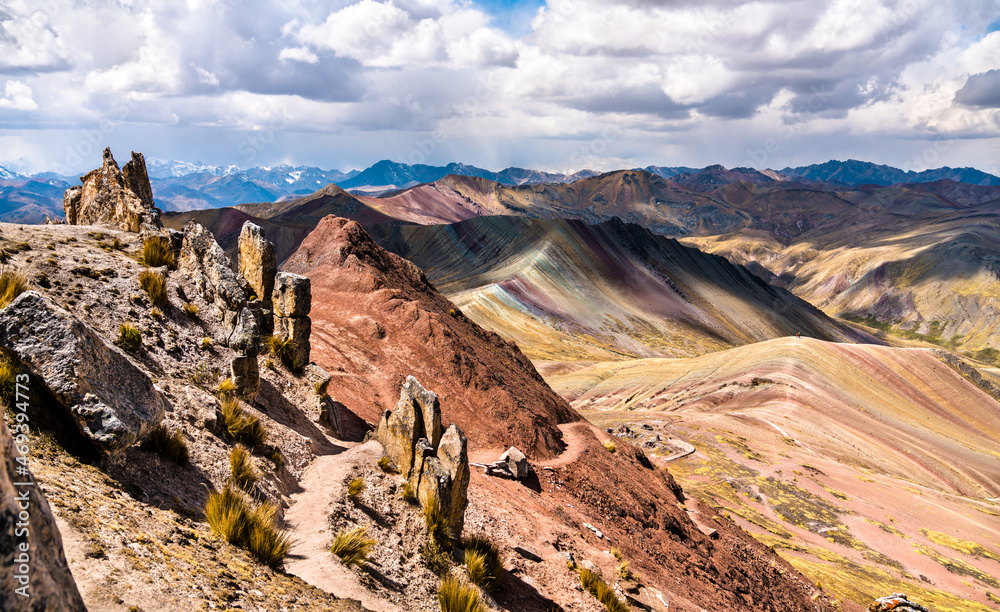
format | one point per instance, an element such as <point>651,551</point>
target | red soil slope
<point>376,319</point>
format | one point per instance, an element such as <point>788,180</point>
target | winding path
<point>308,517</point>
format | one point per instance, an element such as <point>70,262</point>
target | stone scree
<point>113,196</point>
<point>113,403</point>
<point>435,464</point>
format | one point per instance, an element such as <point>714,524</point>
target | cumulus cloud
<point>17,96</point>
<point>672,81</point>
<point>28,42</point>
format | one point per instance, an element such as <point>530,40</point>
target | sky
<point>557,85</point>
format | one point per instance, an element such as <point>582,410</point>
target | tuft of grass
<point>353,547</point>
<point>156,313</point>
<point>283,350</point>
<point>385,464</point>
<point>241,468</point>
<point>191,310</point>
<point>592,582</point>
<point>228,515</point>
<point>155,286</point>
<point>437,524</point>
<point>129,337</point>
<point>617,553</point>
<point>206,343</point>
<point>457,597</point>
<point>244,428</point>
<point>8,379</point>
<point>355,487</point>
<point>610,445</point>
<point>156,252</point>
<point>624,572</point>
<point>482,560</point>
<point>409,496</point>
<point>226,388</point>
<point>170,446</point>
<point>252,528</point>
<point>12,284</point>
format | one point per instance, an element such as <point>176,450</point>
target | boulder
<point>517,463</point>
<point>897,602</point>
<point>45,582</point>
<point>246,376</point>
<point>298,330</point>
<point>245,336</point>
<point>398,431</point>
<point>203,261</point>
<point>113,403</point>
<point>112,196</point>
<point>292,295</point>
<point>258,262</point>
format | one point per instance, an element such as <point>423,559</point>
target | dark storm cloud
<point>981,90</point>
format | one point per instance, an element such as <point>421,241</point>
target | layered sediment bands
<point>899,412</point>
<point>567,290</point>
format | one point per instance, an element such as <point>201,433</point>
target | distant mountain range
<point>181,186</point>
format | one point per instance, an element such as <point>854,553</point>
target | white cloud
<point>678,83</point>
<point>298,54</point>
<point>17,96</point>
<point>28,41</point>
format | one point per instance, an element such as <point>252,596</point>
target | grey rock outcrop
<point>517,463</point>
<point>46,583</point>
<point>245,373</point>
<point>292,295</point>
<point>436,464</point>
<point>292,301</point>
<point>113,196</point>
<point>897,602</point>
<point>203,261</point>
<point>258,262</point>
<point>113,402</point>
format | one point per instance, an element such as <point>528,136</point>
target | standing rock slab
<point>436,464</point>
<point>292,295</point>
<point>258,262</point>
<point>298,330</point>
<point>426,402</point>
<point>113,402</point>
<point>112,196</point>
<point>50,585</point>
<point>245,372</point>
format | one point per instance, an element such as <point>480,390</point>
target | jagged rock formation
<point>292,301</point>
<point>896,601</point>
<point>435,464</point>
<point>112,401</point>
<point>109,195</point>
<point>258,262</point>
<point>30,541</point>
<point>207,265</point>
